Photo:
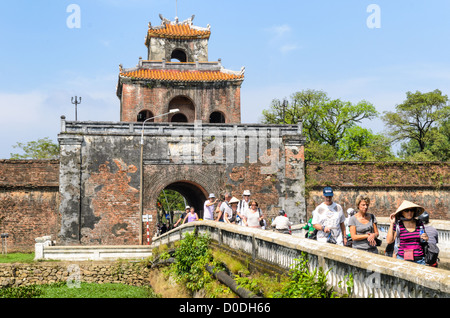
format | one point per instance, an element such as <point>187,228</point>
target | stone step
<point>84,253</point>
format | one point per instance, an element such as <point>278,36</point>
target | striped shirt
<point>410,240</point>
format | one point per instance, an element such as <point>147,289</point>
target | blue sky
<point>285,46</point>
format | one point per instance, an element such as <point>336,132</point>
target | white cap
<point>246,192</point>
<point>211,195</point>
<point>351,211</point>
<point>187,207</point>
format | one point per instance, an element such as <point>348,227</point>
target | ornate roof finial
<point>163,20</point>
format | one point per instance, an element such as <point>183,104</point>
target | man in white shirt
<point>329,220</point>
<point>225,206</point>
<point>243,206</point>
<point>209,207</point>
<point>282,223</point>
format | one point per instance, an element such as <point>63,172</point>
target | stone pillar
<point>70,188</point>
<point>41,242</point>
<point>294,182</point>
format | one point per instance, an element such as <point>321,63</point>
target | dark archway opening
<point>179,118</point>
<point>217,118</point>
<point>145,114</point>
<point>175,197</point>
<point>179,55</point>
<point>186,107</point>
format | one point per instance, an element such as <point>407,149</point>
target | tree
<point>171,200</point>
<point>41,149</point>
<point>416,118</point>
<point>361,144</point>
<point>437,145</point>
<point>325,121</point>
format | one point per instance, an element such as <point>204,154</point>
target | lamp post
<point>141,192</point>
<point>76,103</point>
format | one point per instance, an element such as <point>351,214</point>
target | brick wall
<point>205,99</point>
<point>29,201</point>
<point>387,184</point>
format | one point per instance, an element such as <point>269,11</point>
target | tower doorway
<point>145,114</point>
<point>174,198</point>
<point>217,118</point>
<point>179,55</point>
<point>186,107</point>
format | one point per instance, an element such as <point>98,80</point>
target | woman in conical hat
<point>230,216</point>
<point>410,231</point>
<point>418,210</point>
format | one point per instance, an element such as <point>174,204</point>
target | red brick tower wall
<point>205,99</point>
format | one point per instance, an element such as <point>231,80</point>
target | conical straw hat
<point>407,205</point>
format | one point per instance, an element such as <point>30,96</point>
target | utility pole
<point>76,102</point>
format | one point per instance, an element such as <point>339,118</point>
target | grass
<point>92,290</point>
<point>84,290</point>
<point>63,290</point>
<point>17,258</point>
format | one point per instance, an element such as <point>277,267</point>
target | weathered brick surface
<point>29,200</point>
<point>115,207</point>
<point>29,173</point>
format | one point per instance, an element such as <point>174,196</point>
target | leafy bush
<point>306,284</point>
<point>191,258</point>
<point>20,292</point>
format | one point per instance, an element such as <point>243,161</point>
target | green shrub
<point>306,284</point>
<point>191,257</point>
<point>20,292</point>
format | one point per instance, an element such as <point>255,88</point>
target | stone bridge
<point>374,275</point>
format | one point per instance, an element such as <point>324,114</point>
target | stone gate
<point>101,164</point>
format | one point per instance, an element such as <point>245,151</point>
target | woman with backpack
<point>408,231</point>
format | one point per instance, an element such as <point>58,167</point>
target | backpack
<point>431,252</point>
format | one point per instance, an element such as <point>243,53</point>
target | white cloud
<point>280,38</point>
<point>279,30</point>
<point>288,48</point>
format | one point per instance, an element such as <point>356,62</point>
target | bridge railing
<point>374,275</point>
<point>442,227</point>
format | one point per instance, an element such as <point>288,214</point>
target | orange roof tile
<point>178,31</point>
<point>181,76</point>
